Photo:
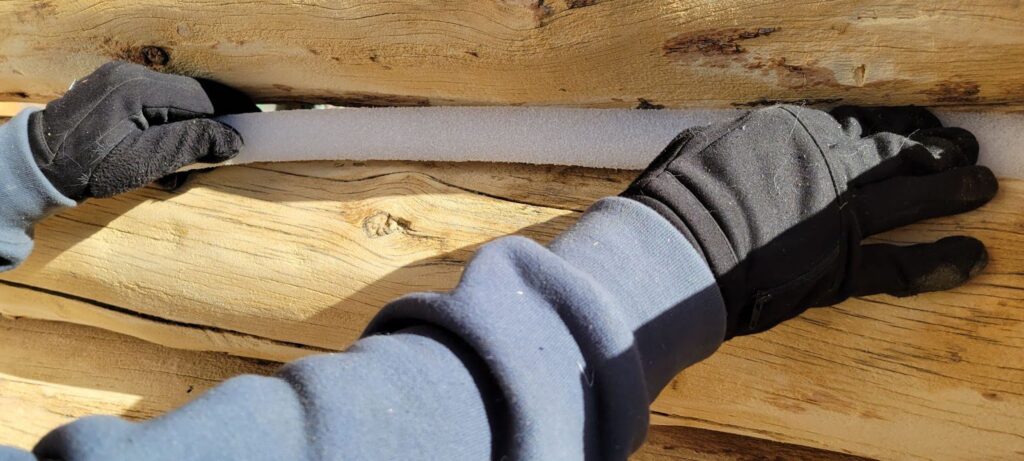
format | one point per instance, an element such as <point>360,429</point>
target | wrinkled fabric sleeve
<point>539,353</point>
<point>26,196</point>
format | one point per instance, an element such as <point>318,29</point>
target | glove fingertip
<point>981,186</point>
<point>224,143</point>
<point>980,260</point>
<point>963,258</point>
<point>966,188</point>
<point>965,142</point>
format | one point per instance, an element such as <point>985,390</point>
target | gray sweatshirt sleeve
<point>539,353</point>
<point>26,196</point>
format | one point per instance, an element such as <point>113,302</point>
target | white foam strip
<point>611,138</point>
<point>1000,136</point>
<point>608,138</point>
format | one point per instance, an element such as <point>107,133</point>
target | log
<point>368,233</point>
<point>54,372</point>
<point>275,262</point>
<point>666,443</point>
<point>593,53</point>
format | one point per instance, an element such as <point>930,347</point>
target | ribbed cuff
<point>26,196</point>
<point>668,293</point>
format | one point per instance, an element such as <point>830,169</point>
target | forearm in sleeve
<point>539,353</point>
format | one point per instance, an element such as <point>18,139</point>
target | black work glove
<point>124,126</point>
<point>779,200</point>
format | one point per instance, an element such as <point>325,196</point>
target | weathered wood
<point>666,443</point>
<point>54,372</point>
<point>595,53</point>
<point>348,244</point>
<point>280,261</point>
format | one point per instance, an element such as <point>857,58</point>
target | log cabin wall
<point>271,262</point>
<point>593,53</point>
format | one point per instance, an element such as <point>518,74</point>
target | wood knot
<point>382,223</point>
<point>150,56</point>
<point>154,56</point>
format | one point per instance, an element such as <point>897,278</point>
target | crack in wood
<point>164,321</point>
<point>428,176</point>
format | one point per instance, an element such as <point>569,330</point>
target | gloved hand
<point>779,200</point>
<point>124,126</point>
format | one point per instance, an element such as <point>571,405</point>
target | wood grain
<point>53,372</point>
<point>348,244</point>
<point>678,443</point>
<point>593,53</point>
<point>279,261</point>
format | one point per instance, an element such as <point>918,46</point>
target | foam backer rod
<point>605,138</point>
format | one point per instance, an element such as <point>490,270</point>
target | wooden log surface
<point>54,372</point>
<point>275,262</point>
<point>595,53</point>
